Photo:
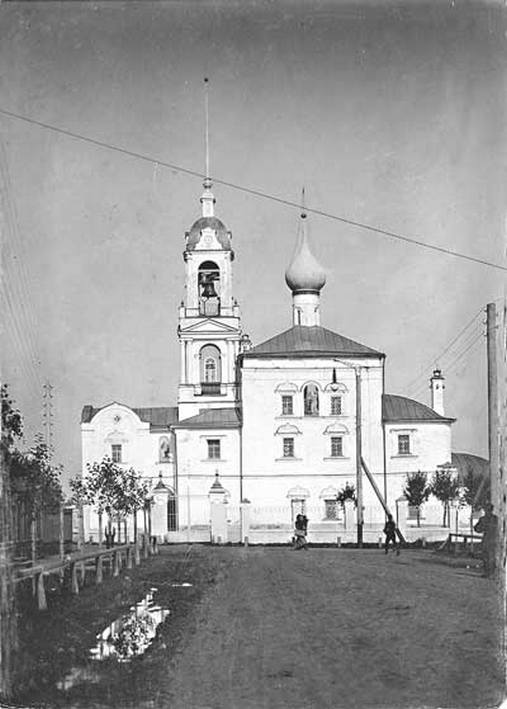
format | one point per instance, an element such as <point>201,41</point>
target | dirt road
<point>270,629</point>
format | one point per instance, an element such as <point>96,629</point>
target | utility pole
<point>493,399</point>
<point>47,415</point>
<point>359,471</point>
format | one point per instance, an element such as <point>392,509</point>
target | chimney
<point>437,387</point>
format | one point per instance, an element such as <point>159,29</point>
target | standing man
<point>488,527</point>
<point>390,532</point>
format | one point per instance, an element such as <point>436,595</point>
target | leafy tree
<point>135,492</point>
<point>476,493</point>
<point>111,490</point>
<point>445,487</point>
<point>417,491</point>
<point>12,423</point>
<point>36,481</point>
<point>476,490</point>
<point>11,431</point>
<point>347,493</point>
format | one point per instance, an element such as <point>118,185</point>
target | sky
<point>390,114</point>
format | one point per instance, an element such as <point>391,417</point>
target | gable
<point>208,326</point>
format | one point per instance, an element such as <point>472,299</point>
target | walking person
<point>390,532</point>
<point>488,527</point>
<point>301,526</point>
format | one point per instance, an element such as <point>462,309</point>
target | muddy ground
<point>267,628</point>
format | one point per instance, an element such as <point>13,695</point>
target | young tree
<point>445,487</point>
<point>136,493</point>
<point>11,431</point>
<point>347,493</point>
<point>417,491</point>
<point>476,493</point>
<point>112,490</point>
<point>36,481</point>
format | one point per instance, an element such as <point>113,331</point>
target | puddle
<point>127,637</point>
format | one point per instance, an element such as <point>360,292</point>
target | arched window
<point>311,395</point>
<point>208,283</point>
<point>210,365</point>
<point>164,450</point>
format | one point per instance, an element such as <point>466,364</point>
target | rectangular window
<point>336,406</point>
<point>336,447</point>
<point>213,448</point>
<point>403,444</point>
<point>116,453</point>
<point>288,448</point>
<point>331,509</point>
<point>287,406</point>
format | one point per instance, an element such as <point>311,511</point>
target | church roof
<point>212,418</point>
<point>310,341</point>
<point>159,417</point>
<point>465,462</point>
<point>222,234</point>
<point>400,409</point>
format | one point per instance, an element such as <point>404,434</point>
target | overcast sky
<point>390,114</point>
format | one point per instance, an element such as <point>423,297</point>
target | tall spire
<point>207,199</point>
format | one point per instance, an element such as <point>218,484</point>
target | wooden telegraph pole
<point>359,469</point>
<point>493,402</point>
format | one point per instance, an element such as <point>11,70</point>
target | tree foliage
<point>446,488</point>
<point>35,479</point>
<point>476,490</point>
<point>110,489</point>
<point>347,493</point>
<point>417,491</point>
<point>12,422</point>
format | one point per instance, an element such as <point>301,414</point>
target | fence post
<point>129,557</point>
<point>74,584</point>
<point>116,562</point>
<point>41,592</point>
<point>98,569</point>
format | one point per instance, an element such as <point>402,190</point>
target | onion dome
<point>221,232</point>
<point>304,272</point>
<point>208,225</point>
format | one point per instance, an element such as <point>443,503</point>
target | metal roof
<point>223,235</point>
<point>400,409</point>
<point>310,341</point>
<point>466,462</point>
<point>212,418</point>
<point>159,417</point>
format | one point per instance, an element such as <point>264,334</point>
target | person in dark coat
<point>488,527</point>
<point>390,532</point>
<point>301,526</point>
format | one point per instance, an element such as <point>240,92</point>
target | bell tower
<point>209,328</point>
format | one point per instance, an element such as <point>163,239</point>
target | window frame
<point>288,444</point>
<point>214,446</point>
<point>336,398</point>
<point>327,506</point>
<point>336,441</point>
<point>289,400</point>
<point>116,452</point>
<point>405,445</point>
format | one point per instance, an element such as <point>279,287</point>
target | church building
<point>280,426</point>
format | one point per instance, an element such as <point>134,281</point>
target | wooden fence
<point>73,569</point>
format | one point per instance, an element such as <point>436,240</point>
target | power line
<point>254,192</point>
<point>438,357</point>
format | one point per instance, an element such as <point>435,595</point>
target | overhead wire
<point>254,192</point>
<point>19,257</point>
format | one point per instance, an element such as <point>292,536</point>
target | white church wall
<point>430,446</point>
<point>268,473</point>
<point>196,471</point>
<point>118,424</point>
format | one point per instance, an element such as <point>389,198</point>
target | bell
<point>208,290</point>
